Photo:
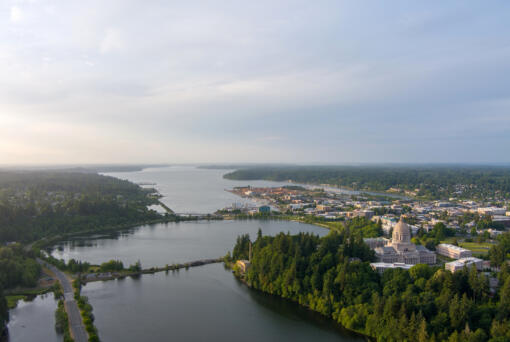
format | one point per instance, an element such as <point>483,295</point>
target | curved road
<point>75,321</point>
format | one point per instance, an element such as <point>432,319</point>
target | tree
<point>137,267</point>
<point>504,300</point>
<point>420,304</point>
<point>4,313</point>
<point>422,332</point>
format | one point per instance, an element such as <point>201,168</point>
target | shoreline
<point>350,331</point>
<point>152,270</point>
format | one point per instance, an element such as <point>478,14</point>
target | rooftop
<point>457,248</point>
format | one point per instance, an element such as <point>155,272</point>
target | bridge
<point>197,215</point>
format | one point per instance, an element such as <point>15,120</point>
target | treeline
<point>431,182</point>
<point>17,268</point>
<point>365,227</point>
<point>47,203</point>
<point>76,266</point>
<point>4,313</point>
<point>332,275</point>
<point>500,252</point>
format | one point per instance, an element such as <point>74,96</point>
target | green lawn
<point>12,301</point>
<point>480,248</point>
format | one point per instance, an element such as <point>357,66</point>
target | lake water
<point>188,189</point>
<point>204,303</point>
<point>34,320</point>
<point>200,304</point>
<point>168,243</point>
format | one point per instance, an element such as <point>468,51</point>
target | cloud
<point>16,14</point>
<point>286,80</point>
<point>112,41</point>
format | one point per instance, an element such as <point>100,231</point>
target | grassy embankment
<point>478,248</point>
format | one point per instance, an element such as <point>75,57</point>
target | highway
<point>75,321</point>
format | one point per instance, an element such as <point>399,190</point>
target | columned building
<point>401,250</point>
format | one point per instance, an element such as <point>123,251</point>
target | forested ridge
<point>44,203</point>
<point>332,275</point>
<point>432,182</point>
<point>38,204</point>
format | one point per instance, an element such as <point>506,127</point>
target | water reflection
<point>34,320</point>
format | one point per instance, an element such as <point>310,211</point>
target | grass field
<point>12,301</point>
<point>479,248</point>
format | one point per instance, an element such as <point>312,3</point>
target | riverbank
<point>46,283</point>
<point>91,277</point>
<point>240,276</point>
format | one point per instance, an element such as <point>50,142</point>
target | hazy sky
<point>264,81</point>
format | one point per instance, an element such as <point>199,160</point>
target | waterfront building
<point>401,250</point>
<point>452,251</point>
<point>458,265</point>
<point>265,209</point>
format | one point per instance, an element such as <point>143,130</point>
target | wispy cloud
<point>125,80</point>
<point>16,14</point>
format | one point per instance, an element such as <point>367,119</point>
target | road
<point>75,321</point>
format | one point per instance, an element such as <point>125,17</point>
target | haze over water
<point>188,189</point>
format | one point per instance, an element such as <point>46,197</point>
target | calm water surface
<point>202,304</point>
<point>188,189</point>
<point>34,320</point>
<point>161,244</point>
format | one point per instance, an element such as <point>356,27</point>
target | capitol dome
<point>401,232</point>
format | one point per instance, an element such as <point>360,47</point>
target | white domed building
<point>401,250</point>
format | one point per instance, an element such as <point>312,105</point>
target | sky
<point>123,81</point>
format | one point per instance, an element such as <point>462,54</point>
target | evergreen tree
<point>4,312</point>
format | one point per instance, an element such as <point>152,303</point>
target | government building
<point>401,250</point>
<point>452,251</point>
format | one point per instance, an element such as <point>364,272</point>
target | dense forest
<point>44,203</point>
<point>332,275</point>
<point>4,313</point>
<point>434,182</point>
<point>17,268</point>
